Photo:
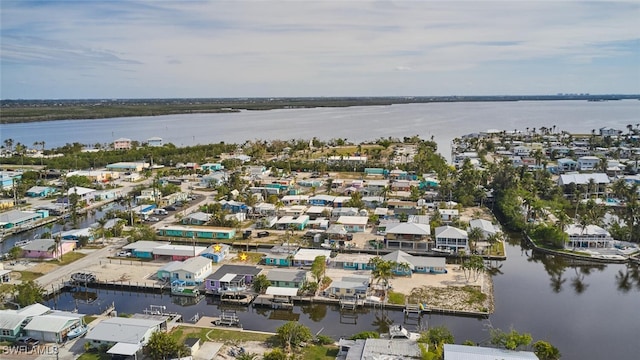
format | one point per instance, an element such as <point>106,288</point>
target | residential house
<point>8,178</point>
<point>591,236</point>
<point>128,166</point>
<point>213,180</point>
<point>192,271</point>
<point>154,141</point>
<point>364,349</point>
<point>231,278</point>
<point>288,200</point>
<point>280,255</point>
<point>344,211</point>
<point>47,248</point>
<point>353,223</point>
<point>293,210</point>
<point>288,222</point>
<point>217,252</point>
<point>352,261</point>
<point>487,228</point>
<point>588,163</point>
<point>211,167</point>
<point>339,201</point>
<point>452,239</point>
<point>122,144</point>
<point>123,336</point>
<point>306,257</point>
<point>411,236</point>
<point>600,182</point>
<point>234,206</point>
<point>608,131</point>
<point>417,264</point>
<point>321,200</point>
<point>178,252</point>
<point>85,194</point>
<point>53,327</point>
<point>315,212</point>
<point>449,215</point>
<point>196,218</point>
<point>11,325</point>
<point>17,218</point>
<point>349,286</point>
<point>458,352</point>
<point>265,209</point>
<point>197,232</point>
<point>287,278</point>
<point>143,249</point>
<point>567,165</point>
<point>40,191</point>
<point>372,202</point>
<point>78,234</point>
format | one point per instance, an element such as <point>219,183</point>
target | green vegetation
<point>29,275</point>
<point>396,298</point>
<point>365,335</point>
<point>29,292</point>
<point>95,356</point>
<point>292,334</point>
<point>226,336</point>
<point>162,345</point>
<point>70,257</point>
<point>88,319</point>
<point>318,352</point>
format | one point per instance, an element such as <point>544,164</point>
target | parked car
<point>262,234</point>
<point>27,341</point>
<point>153,219</point>
<point>124,253</point>
<point>170,208</point>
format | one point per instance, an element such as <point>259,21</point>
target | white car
<point>124,253</point>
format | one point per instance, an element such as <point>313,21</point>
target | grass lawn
<point>70,257</point>
<point>319,352</point>
<point>252,257</point>
<point>396,298</point>
<point>94,356</point>
<point>226,336</point>
<point>29,275</point>
<point>88,319</point>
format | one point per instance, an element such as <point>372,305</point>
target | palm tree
<point>383,271</point>
<point>475,234</point>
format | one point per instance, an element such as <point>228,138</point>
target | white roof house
<point>451,238</point>
<point>583,179</point>
<point>50,327</point>
<point>82,191</point>
<point>463,352</point>
<point>487,227</point>
<point>121,330</point>
<point>409,228</point>
<point>178,250</point>
<point>309,255</point>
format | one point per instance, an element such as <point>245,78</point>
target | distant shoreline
<point>24,111</point>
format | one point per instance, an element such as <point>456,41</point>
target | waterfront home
<point>154,141</point>
<point>47,248</point>
<point>40,191</point>
<point>457,352</point>
<point>416,264</point>
<point>211,167</point>
<point>487,228</point>
<point>143,249</point>
<point>353,223</point>
<point>123,336</point>
<point>231,278</point>
<point>305,257</point>
<point>11,325</point>
<point>77,234</point>
<point>289,222</point>
<point>53,326</point>
<point>192,271</point>
<point>128,166</point>
<point>591,236</point>
<point>349,286</point>
<point>352,261</point>
<point>197,232</point>
<point>588,163</point>
<point>287,278</point>
<point>407,235</point>
<point>122,144</point>
<point>177,252</point>
<point>17,218</point>
<point>379,349</point>
<point>451,238</point>
<point>216,253</point>
<point>196,218</point>
<point>280,255</point>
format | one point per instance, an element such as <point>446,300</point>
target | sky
<point>186,49</point>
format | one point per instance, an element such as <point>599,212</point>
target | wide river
<point>589,313</point>
<point>443,121</point>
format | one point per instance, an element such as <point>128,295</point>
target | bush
<point>324,340</point>
<point>365,335</point>
<point>275,354</point>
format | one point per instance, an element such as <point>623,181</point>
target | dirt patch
<point>43,268</point>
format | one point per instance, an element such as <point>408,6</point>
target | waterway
<point>443,121</point>
<point>589,312</point>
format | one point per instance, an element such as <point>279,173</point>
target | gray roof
<point>400,256</point>
<point>10,321</point>
<point>409,228</point>
<point>462,352</point>
<point>200,216</point>
<point>287,275</point>
<point>118,329</point>
<point>54,322</point>
<point>450,232</point>
<point>384,349</point>
<point>15,216</point>
<point>599,178</point>
<point>39,245</point>
<point>234,269</point>
<point>144,245</point>
<point>194,264</point>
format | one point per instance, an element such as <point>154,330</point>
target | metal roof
<point>234,269</point>
<point>287,275</point>
<point>10,321</point>
<point>125,330</point>
<point>409,229</point>
<point>54,322</point>
<point>281,291</point>
<point>462,352</point>
<point>450,232</point>
<point>124,349</point>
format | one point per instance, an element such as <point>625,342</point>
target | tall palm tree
<point>475,234</point>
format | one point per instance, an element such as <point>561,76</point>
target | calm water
<point>443,121</point>
<point>586,311</point>
<point>589,313</point>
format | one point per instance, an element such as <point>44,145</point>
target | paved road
<point>63,273</point>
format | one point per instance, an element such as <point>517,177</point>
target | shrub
<point>324,340</point>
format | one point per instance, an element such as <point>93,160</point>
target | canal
<point>588,312</point>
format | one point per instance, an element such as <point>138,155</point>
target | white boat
<point>77,332</point>
<point>21,243</point>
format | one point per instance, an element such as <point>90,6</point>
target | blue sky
<point>150,49</point>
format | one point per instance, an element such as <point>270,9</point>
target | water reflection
<point>555,266</point>
<point>628,279</point>
<point>316,312</point>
